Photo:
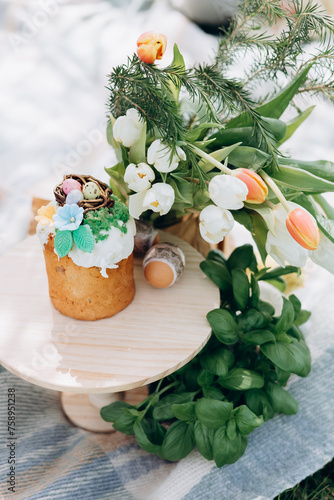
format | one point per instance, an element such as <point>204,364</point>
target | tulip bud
<point>257,188</point>
<point>303,228</point>
<point>215,223</point>
<point>228,192</point>
<point>151,46</point>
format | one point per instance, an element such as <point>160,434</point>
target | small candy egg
<point>74,197</point>
<point>70,184</point>
<point>163,265</point>
<point>146,236</point>
<point>91,191</point>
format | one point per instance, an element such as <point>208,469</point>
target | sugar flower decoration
<point>68,217</point>
<point>45,214</point>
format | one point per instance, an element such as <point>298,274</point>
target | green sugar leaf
<point>84,239</point>
<point>63,242</point>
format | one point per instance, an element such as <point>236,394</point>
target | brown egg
<point>163,265</point>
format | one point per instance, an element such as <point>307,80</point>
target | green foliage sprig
<point>236,382</point>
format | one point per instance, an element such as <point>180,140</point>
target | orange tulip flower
<point>303,228</point>
<point>151,46</point>
<point>257,188</point>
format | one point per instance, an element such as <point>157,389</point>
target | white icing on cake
<point>106,254</point>
<point>43,233</point>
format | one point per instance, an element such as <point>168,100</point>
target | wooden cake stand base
<point>83,410</point>
<point>160,331</point>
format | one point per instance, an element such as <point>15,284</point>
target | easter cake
<point>87,237</point>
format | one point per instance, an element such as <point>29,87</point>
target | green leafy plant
<point>236,382</point>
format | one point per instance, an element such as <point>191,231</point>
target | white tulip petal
<point>324,254</point>
<point>215,223</point>
<point>228,192</point>
<point>136,206</point>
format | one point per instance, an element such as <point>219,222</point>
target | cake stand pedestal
<point>160,331</point>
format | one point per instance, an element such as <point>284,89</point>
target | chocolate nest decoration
<point>87,205</point>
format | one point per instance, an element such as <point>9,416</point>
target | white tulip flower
<point>127,128</point>
<point>323,255</point>
<point>228,192</point>
<point>215,223</point>
<point>139,177</point>
<point>159,198</point>
<point>280,244</point>
<point>159,155</point>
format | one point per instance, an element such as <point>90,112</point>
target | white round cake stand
<point>92,363</point>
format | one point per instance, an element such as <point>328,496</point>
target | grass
<point>320,486</point>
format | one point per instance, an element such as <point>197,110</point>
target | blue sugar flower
<point>68,217</point>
